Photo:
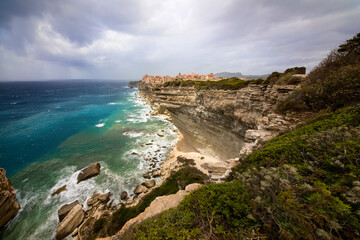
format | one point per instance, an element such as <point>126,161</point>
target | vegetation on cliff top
<point>300,185</point>
<point>334,83</point>
<point>224,84</point>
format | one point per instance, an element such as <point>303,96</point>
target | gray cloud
<point>125,39</point>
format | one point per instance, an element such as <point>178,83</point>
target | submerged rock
<point>89,172</point>
<point>64,210</point>
<point>8,205</point>
<point>59,190</point>
<point>72,220</point>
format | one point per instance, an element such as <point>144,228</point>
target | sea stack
<point>8,205</point>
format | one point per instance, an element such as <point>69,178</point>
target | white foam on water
<point>100,125</point>
<point>133,134</point>
<point>118,121</point>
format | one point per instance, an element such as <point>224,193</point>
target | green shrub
<point>334,83</point>
<point>178,180</point>
<point>308,177</point>
<point>99,224</point>
<point>224,84</point>
<point>217,211</point>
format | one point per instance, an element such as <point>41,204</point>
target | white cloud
<point>126,39</point>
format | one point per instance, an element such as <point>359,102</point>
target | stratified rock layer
<point>89,172</point>
<point>216,122</point>
<point>64,210</point>
<point>72,220</point>
<point>8,204</point>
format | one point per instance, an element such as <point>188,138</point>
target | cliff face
<point>223,123</point>
<point>8,205</point>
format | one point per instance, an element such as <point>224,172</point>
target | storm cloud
<point>117,39</point>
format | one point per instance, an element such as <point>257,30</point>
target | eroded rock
<point>64,210</point>
<point>72,220</point>
<point>8,204</point>
<point>156,173</point>
<point>89,172</point>
<point>147,175</point>
<point>123,195</point>
<point>140,189</point>
<point>149,184</point>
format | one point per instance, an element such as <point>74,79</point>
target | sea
<point>50,130</point>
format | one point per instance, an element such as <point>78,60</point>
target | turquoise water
<point>49,131</point>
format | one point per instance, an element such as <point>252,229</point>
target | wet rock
<point>149,184</point>
<point>72,220</point>
<point>123,195</point>
<point>8,204</point>
<point>89,172</point>
<point>104,197</point>
<point>59,190</point>
<point>140,189</point>
<point>156,173</point>
<point>94,198</point>
<point>147,175</point>
<point>64,210</point>
<point>160,134</point>
<point>134,153</point>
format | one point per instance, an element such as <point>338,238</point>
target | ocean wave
<point>133,134</point>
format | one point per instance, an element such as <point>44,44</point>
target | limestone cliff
<point>8,205</point>
<point>223,123</point>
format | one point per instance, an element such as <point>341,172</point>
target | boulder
<point>147,175</point>
<point>8,204</point>
<point>64,210</point>
<point>89,172</point>
<point>156,173</point>
<point>124,195</point>
<point>149,184</point>
<point>104,197</point>
<point>160,134</point>
<point>218,168</point>
<point>59,190</point>
<point>94,198</point>
<point>72,220</point>
<point>140,189</point>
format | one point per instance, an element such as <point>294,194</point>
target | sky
<point>125,39</point>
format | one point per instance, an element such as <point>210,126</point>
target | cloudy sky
<point>124,39</point>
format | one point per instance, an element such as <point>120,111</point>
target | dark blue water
<point>49,131</point>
